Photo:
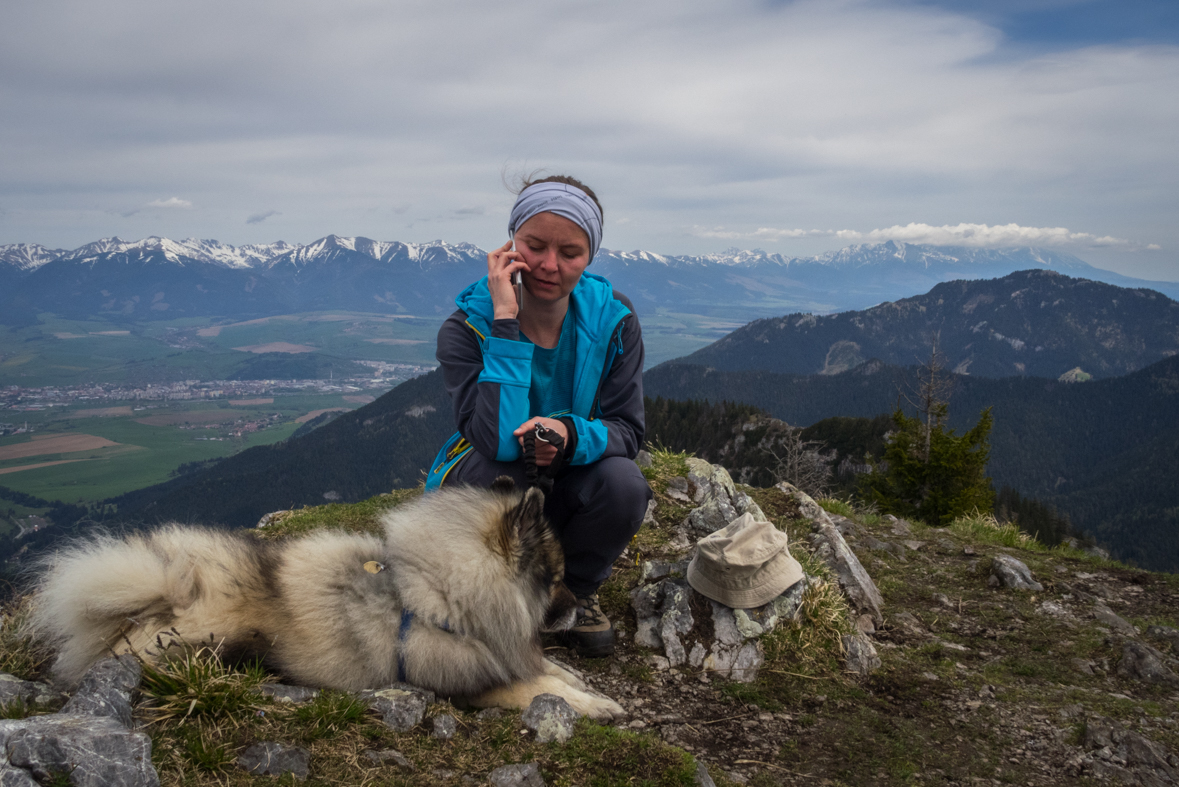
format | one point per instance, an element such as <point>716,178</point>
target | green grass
<point>359,517</point>
<point>187,681</point>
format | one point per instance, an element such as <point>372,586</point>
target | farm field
<point>75,456</point>
<point>68,352</point>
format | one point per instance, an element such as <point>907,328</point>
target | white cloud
<point>973,235</point>
<point>258,218</point>
<point>170,203</point>
<point>831,113</point>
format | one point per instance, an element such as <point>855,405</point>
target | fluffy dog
<point>452,599</point>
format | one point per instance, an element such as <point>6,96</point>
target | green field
<point>68,352</point>
<point>146,454</point>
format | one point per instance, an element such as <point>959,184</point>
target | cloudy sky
<point>796,127</point>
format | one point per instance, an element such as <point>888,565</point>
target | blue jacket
<point>488,371</point>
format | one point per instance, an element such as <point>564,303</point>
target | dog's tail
<point>108,593</point>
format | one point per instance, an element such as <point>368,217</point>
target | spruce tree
<point>932,474</point>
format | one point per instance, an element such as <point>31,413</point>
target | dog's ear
<point>503,485</point>
<point>528,517</point>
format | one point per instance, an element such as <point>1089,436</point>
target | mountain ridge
<point>158,278</point>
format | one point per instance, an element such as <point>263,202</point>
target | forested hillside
<point>1104,452</point>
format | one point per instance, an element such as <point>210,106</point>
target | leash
<point>542,477</point>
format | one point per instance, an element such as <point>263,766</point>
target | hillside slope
<point>1104,452</point>
<point>384,445</point>
<point>1035,323</point>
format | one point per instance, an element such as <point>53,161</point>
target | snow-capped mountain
<point>159,278</point>
<point>27,256</point>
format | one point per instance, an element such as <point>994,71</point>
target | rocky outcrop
<point>92,751</point>
<point>830,546</point>
<point>689,629</point>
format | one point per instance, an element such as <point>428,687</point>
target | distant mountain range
<point>1037,322</point>
<point>158,278</point>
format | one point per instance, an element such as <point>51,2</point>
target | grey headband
<point>568,202</point>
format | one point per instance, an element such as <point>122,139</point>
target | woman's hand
<point>545,452</point>
<point>501,265</point>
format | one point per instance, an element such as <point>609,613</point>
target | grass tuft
<point>329,714</point>
<point>665,465</point>
<point>192,682</point>
<point>985,528</point>
<point>20,654</point>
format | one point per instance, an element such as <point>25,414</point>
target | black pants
<point>594,510</point>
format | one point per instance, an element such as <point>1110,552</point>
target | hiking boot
<point>592,636</point>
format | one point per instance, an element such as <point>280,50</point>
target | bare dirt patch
<point>315,413</point>
<point>215,330</point>
<point>63,444</point>
<point>247,402</point>
<point>192,417</point>
<point>276,347</point>
<point>5,470</point>
<point>359,399</point>
<point>102,412</point>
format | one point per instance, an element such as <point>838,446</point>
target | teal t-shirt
<point>551,392</point>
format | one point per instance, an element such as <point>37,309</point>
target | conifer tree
<point>930,473</point>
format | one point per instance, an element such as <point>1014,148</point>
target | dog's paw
<point>563,673</point>
<point>598,708</point>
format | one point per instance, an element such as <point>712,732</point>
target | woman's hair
<point>531,179</point>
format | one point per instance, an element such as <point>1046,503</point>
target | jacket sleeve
<point>488,381</point>
<point>619,424</point>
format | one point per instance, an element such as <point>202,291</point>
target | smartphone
<point>518,280</point>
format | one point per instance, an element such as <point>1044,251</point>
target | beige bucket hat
<point>744,564</point>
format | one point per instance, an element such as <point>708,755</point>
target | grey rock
<point>1013,574</point>
<point>703,779</point>
<point>550,717</point>
<point>445,726</point>
<point>1165,634</point>
<point>658,569</point>
<point>649,516</point>
<point>288,695</point>
<point>95,751</point>
<point>946,546</point>
<point>944,601</point>
<point>386,756</point>
<point>109,688</point>
<point>747,505</point>
<point>907,626</point>
<point>853,580</point>
<point>713,514</point>
<point>1144,663</point>
<point>643,459</point>
<point>901,527</point>
<point>679,490</point>
<point>1119,624</point>
<point>487,714</point>
<point>806,504</point>
<point>13,689</point>
<point>1130,748</point>
<point>402,707</point>
<point>15,777</point>
<point>861,657</point>
<point>275,759</point>
<point>710,480</point>
<point>527,775</point>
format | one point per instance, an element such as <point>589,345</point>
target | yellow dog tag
<point>373,567</point>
